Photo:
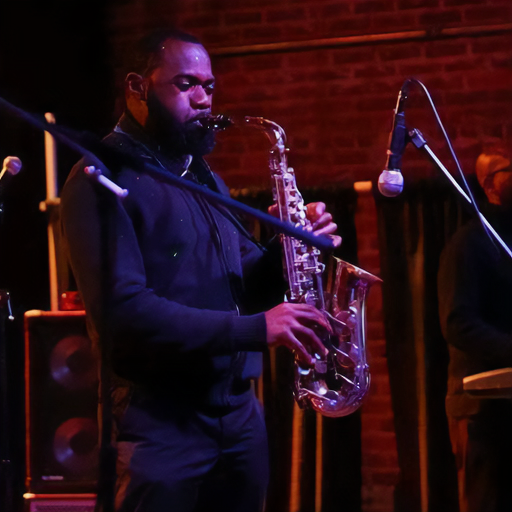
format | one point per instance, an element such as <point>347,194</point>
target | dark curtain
<point>315,461</point>
<point>413,229</point>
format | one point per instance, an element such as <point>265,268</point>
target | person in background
<point>475,308</point>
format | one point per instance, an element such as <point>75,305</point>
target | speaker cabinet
<point>59,502</point>
<point>61,378</point>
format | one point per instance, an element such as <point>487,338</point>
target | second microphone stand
<point>419,142</point>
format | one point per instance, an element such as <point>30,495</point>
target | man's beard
<point>175,138</point>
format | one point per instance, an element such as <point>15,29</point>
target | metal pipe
<point>429,34</point>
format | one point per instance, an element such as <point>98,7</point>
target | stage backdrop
<point>413,229</point>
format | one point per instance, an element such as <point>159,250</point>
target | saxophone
<point>338,383</point>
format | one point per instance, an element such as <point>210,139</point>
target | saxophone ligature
<point>338,383</point>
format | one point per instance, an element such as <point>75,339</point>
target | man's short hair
<point>147,52</point>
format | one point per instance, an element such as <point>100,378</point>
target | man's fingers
<point>310,338</point>
<point>315,210</point>
<point>311,314</point>
<point>323,220</point>
<point>336,240</point>
<point>300,351</point>
<point>329,229</point>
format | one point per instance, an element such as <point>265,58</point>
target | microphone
<point>391,181</point>
<point>12,165</point>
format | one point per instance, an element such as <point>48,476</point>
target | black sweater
<point>168,278</point>
<point>475,305</point>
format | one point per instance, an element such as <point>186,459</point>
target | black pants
<point>482,444</point>
<point>175,459</point>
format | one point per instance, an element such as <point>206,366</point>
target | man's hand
<point>321,221</point>
<point>296,326</point>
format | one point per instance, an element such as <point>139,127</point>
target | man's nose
<point>200,99</point>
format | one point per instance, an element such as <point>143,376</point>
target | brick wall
<point>379,456</point>
<point>334,98</point>
<point>335,103</point>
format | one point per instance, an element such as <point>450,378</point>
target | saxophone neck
<point>277,137</point>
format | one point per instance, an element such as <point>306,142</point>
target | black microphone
<point>391,181</point>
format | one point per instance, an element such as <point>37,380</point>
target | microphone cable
<point>456,160</point>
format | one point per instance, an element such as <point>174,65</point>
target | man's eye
<point>183,86</point>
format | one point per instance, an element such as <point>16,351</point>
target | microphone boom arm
<point>323,242</point>
<point>419,142</point>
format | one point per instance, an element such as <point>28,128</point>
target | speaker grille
<point>65,505</point>
<point>61,400</point>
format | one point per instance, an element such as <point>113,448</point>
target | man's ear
<point>136,85</point>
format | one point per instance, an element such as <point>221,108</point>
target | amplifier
<point>59,502</point>
<point>61,379</point>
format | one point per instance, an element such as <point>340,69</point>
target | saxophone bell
<point>337,385</point>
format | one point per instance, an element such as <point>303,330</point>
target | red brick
<point>373,459</point>
<point>219,37</point>
<point>465,98</point>
<point>242,18</point>
<point>387,476</point>
<point>384,22</point>
<point>354,54</point>
<point>445,48</point>
<point>288,14</point>
<point>502,62</point>
<point>463,64</point>
<point>481,14</point>
<point>247,4</point>
<point>230,147</point>
<point>308,58</point>
<point>299,142</point>
<point>378,498</point>
<point>224,162</point>
<point>376,332</point>
<point>348,26</point>
<point>399,52</point>
<point>417,68</point>
<point>415,4</point>
<point>380,442</point>
<point>376,103</point>
<point>440,18</point>
<point>201,21</point>
<point>335,10</point>
<point>259,62</point>
<point>344,142</point>
<point>504,96</point>
<point>453,3</point>
<point>370,6</point>
<point>484,80</point>
<point>380,422</point>
<point>261,34</point>
<point>374,297</point>
<point>495,44</point>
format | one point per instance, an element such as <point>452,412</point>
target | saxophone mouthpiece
<point>216,123</point>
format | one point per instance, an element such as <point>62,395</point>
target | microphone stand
<point>6,469</point>
<point>419,142</point>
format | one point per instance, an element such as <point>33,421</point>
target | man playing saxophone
<point>176,285</point>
